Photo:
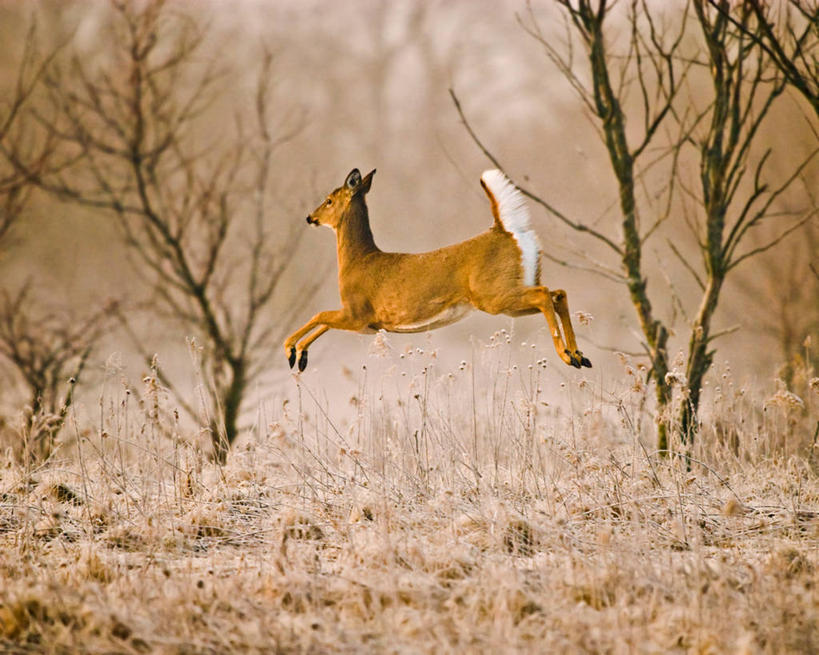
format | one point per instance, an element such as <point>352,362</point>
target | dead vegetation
<point>432,522</point>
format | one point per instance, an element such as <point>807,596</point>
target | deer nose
<point>312,221</point>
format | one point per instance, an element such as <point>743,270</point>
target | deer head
<point>332,211</point>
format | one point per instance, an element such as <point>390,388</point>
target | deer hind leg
<point>337,319</point>
<point>561,305</point>
<point>524,300</point>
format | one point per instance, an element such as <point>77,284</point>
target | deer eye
<point>329,201</point>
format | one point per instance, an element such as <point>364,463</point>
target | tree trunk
<point>700,358</point>
<point>223,436</point>
<point>613,120</point>
<point>659,366</point>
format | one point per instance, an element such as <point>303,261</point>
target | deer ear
<point>366,182</point>
<point>353,179</point>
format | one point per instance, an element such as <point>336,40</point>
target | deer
<point>497,271</point>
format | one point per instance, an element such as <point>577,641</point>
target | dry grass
<point>487,508</point>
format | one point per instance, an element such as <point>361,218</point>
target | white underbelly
<point>445,317</point>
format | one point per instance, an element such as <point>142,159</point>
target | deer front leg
<point>337,319</point>
<point>301,348</point>
<point>290,342</point>
<point>561,306</point>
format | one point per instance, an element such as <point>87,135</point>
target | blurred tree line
<point>186,151</point>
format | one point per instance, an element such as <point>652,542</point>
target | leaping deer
<point>497,272</point>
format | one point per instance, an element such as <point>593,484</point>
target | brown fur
<point>401,292</point>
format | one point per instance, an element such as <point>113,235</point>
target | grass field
<point>486,507</point>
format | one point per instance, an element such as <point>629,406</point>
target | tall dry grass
<point>485,506</point>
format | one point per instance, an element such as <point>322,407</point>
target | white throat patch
<point>514,214</point>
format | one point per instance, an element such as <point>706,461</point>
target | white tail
<point>514,215</point>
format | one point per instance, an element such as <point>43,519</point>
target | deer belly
<point>444,317</point>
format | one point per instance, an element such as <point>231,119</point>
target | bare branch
<point>792,51</point>
<point>580,227</point>
<point>686,264</point>
<point>597,270</point>
<point>15,132</point>
<point>774,242</point>
<point>743,223</point>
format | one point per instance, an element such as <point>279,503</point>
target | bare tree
<point>16,140</point>
<point>191,198</point>
<point>789,288</point>
<point>48,350</point>
<point>743,95</point>
<point>789,34</point>
<point>729,204</point>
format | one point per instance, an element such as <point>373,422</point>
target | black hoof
<point>303,360</point>
<point>585,362</point>
<point>291,359</point>
<point>574,361</point>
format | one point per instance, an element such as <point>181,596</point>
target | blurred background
<point>365,84</point>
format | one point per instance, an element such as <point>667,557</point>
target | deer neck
<point>355,238</point>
